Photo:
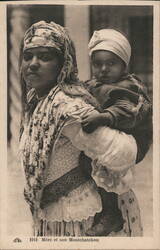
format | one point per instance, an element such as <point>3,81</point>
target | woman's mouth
<point>32,75</point>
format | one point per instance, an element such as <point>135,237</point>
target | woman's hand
<point>92,121</point>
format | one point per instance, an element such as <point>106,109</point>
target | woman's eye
<point>27,56</point>
<point>45,57</point>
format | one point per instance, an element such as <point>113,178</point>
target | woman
<point>62,197</point>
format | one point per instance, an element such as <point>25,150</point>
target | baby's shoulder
<point>131,82</point>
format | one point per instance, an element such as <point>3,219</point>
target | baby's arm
<point>125,106</point>
<point>121,115</point>
<point>125,114</point>
<point>131,106</point>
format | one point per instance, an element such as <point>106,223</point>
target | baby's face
<point>106,66</point>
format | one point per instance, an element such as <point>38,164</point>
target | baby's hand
<point>91,122</point>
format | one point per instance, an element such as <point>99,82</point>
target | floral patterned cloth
<point>129,206</point>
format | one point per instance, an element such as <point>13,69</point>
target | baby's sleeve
<point>130,104</point>
<point>131,112</point>
<point>123,114</point>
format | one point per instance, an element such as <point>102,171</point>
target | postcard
<point>80,124</point>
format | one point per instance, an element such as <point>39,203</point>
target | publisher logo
<point>17,240</point>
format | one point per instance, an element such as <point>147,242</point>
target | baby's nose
<point>104,68</point>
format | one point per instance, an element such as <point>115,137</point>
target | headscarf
<point>111,40</point>
<point>53,35</point>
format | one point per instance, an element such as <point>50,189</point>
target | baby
<point>125,106</point>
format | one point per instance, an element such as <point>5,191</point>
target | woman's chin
<point>41,91</point>
<point>33,84</point>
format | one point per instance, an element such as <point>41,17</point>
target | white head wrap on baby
<point>111,40</point>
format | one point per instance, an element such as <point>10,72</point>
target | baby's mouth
<point>105,79</point>
<point>32,74</point>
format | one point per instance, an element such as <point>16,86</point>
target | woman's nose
<point>34,64</point>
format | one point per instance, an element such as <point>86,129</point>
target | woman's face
<point>106,66</point>
<point>40,68</point>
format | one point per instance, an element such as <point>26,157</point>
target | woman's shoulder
<point>71,104</point>
<point>62,98</point>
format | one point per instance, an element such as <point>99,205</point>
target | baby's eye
<point>96,64</point>
<point>27,56</point>
<point>45,56</point>
<point>111,63</point>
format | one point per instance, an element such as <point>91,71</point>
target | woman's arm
<point>110,150</point>
<point>113,154</point>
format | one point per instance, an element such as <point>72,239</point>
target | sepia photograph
<point>80,100</point>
